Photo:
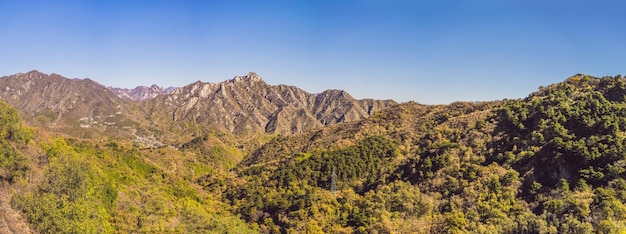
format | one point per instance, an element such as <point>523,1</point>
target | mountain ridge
<point>56,101</point>
<point>243,104</point>
<point>248,104</point>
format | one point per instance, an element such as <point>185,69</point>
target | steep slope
<point>69,105</point>
<point>140,93</point>
<point>246,104</point>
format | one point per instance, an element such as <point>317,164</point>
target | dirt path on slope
<point>10,220</point>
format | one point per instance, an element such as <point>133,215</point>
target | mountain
<point>108,171</point>
<point>552,162</point>
<point>246,104</point>
<point>69,185</point>
<point>141,93</point>
<point>75,105</point>
<point>549,163</point>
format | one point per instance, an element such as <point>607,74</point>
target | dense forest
<point>553,162</point>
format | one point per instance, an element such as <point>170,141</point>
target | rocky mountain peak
<point>33,73</point>
<point>335,93</point>
<point>251,77</point>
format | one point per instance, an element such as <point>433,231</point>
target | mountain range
<point>244,104</point>
<point>243,156</point>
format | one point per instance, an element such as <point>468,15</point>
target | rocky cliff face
<point>248,104</point>
<point>141,93</point>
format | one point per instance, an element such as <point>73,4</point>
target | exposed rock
<point>247,104</point>
<point>244,104</point>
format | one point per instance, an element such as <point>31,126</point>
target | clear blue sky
<point>426,51</point>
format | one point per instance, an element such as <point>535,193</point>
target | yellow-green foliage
<point>12,133</point>
<point>73,198</point>
<point>89,188</point>
<point>551,163</point>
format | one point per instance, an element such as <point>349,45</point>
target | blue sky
<point>425,51</point>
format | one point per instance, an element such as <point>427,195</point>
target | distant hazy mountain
<point>141,93</point>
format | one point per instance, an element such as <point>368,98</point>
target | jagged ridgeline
<point>244,105</point>
<point>550,163</point>
<point>248,105</point>
<point>217,122</point>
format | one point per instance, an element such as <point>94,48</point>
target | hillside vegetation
<point>105,186</point>
<point>13,135</point>
<point>553,162</point>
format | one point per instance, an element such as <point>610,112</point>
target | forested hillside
<point>553,162</point>
<point>13,135</point>
<point>69,185</point>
